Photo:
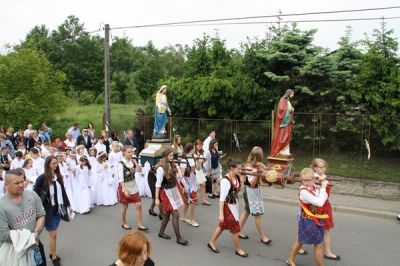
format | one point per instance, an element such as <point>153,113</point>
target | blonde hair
<point>317,161</point>
<point>130,247</point>
<point>256,156</point>
<point>307,172</point>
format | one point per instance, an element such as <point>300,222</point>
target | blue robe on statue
<point>160,121</point>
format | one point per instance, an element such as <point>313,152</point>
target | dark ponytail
<point>232,163</point>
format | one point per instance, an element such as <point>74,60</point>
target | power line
<point>275,22</point>
<point>256,17</point>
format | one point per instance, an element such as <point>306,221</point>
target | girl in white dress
<point>93,177</point>
<point>30,174</point>
<point>104,186</point>
<point>71,163</point>
<point>114,157</point>
<point>83,175</point>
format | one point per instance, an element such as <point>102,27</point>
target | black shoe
<point>143,228</point>
<point>160,216</point>
<point>126,227</point>
<point>332,258</point>
<point>211,196</point>
<point>268,242</point>
<point>244,255</point>
<point>56,261</point>
<point>165,236</point>
<point>215,250</point>
<point>152,213</point>
<point>57,257</point>
<point>182,241</point>
<point>244,237</point>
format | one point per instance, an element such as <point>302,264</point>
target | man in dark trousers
<point>84,139</point>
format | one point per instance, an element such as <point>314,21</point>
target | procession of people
<point>86,171</point>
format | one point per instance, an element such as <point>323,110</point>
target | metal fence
<point>338,138</point>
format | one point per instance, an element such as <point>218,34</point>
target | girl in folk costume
<point>229,209</point>
<point>177,145</point>
<point>72,164</point>
<point>252,195</point>
<point>152,180</point>
<point>104,185</point>
<point>310,224</point>
<point>167,190</point>
<point>30,174</point>
<point>189,188</point>
<point>128,191</point>
<point>83,174</point>
<point>319,166</point>
<point>114,157</point>
<point>200,174</point>
<point>213,167</point>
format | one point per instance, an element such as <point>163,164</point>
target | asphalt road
<point>92,239</point>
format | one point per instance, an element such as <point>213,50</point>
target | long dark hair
<point>212,143</point>
<point>170,169</point>
<point>48,173</point>
<point>188,147</point>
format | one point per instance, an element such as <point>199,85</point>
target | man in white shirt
<point>28,131</point>
<point>38,162</point>
<point>206,143</point>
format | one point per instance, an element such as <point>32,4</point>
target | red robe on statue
<point>282,131</point>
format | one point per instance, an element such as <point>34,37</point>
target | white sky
<point>20,16</point>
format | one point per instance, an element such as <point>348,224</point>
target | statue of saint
<point>161,116</point>
<point>283,126</point>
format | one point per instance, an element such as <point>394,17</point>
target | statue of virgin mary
<point>161,113</point>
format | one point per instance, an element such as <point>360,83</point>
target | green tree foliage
<point>30,90</point>
<point>71,50</point>
<point>378,85</point>
<point>208,80</point>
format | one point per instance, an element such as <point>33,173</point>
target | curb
<point>342,209</point>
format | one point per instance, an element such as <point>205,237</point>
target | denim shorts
<point>55,221</point>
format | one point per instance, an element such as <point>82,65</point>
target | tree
<point>378,85</point>
<point>30,91</point>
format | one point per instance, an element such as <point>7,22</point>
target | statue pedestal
<point>280,170</point>
<point>155,148</point>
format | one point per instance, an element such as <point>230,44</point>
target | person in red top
<point>59,144</point>
<point>283,126</point>
<point>311,219</point>
<point>229,209</point>
<point>319,166</point>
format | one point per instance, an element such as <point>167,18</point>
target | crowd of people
<point>53,180</point>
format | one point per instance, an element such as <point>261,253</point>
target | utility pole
<point>107,117</point>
